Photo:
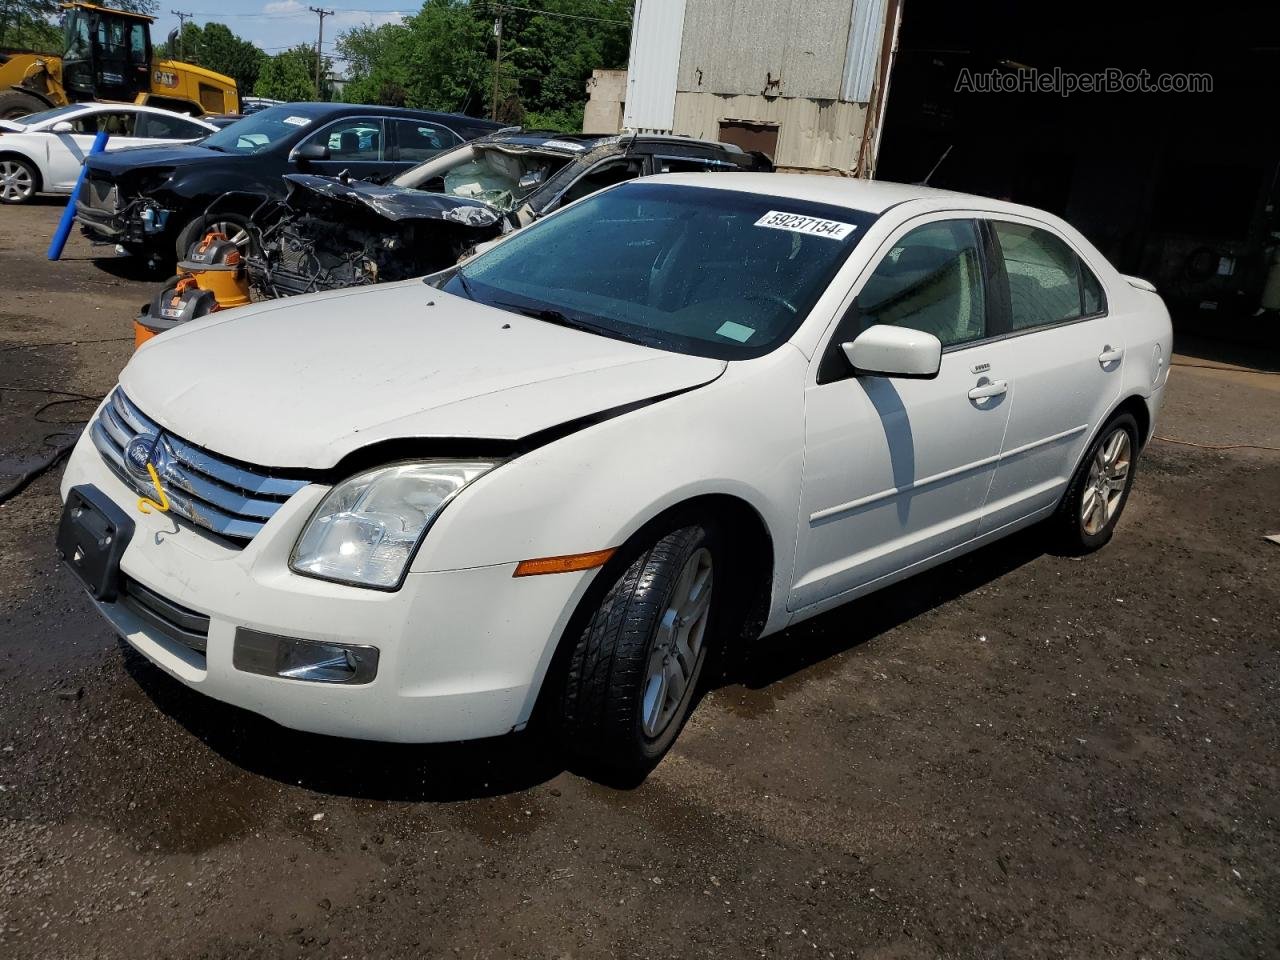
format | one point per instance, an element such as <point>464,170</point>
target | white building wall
<point>657,31</point>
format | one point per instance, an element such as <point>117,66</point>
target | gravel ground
<point>1016,755</point>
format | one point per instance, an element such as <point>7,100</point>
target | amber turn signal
<point>575,561</point>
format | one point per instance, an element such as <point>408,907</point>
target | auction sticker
<point>799,223</point>
<point>297,121</point>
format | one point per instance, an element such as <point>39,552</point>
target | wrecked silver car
<point>333,232</point>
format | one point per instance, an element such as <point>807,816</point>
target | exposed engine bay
<point>328,234</point>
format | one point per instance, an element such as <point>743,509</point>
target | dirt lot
<point>1017,755</point>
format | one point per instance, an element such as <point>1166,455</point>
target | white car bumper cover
<point>461,652</point>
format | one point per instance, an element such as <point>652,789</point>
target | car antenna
<point>630,143</point>
<point>945,153</point>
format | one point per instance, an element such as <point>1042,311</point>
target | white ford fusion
<point>680,412</point>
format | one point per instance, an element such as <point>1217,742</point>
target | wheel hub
<point>1104,488</point>
<point>678,646</point>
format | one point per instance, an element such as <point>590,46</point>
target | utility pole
<point>497,62</point>
<point>322,13</point>
<point>182,22</point>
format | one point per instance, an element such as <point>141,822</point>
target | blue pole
<point>69,215</point>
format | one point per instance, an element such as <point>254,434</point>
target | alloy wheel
<point>16,182</point>
<point>678,646</point>
<point>231,230</point>
<point>1105,486</point>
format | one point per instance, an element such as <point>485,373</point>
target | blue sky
<point>278,24</point>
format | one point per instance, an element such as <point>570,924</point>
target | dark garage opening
<point>1176,187</point>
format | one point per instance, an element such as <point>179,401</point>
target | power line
<point>182,23</point>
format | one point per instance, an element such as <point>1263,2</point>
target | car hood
<point>389,201</point>
<point>117,162</point>
<point>304,382</point>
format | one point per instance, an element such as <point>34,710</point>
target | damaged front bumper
<point>102,214</point>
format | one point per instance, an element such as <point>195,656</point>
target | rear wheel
<point>19,179</point>
<point>1100,487</point>
<point>632,677</point>
<point>15,104</point>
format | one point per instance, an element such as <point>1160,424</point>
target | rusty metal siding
<point>786,48</point>
<point>656,36</point>
<point>815,135</point>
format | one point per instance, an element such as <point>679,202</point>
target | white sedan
<point>43,152</point>
<point>553,484</point>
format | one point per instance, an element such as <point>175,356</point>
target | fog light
<point>294,659</point>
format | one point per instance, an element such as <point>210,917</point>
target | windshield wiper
<point>545,314</point>
<point>465,283</point>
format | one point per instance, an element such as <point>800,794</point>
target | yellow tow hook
<point>146,503</point>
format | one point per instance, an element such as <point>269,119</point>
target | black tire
<point>1070,529</point>
<point>15,104</point>
<point>199,226</point>
<point>601,702</point>
<point>10,192</point>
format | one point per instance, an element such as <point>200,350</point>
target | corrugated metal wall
<point>812,134</point>
<point>656,35</point>
<point>788,48</point>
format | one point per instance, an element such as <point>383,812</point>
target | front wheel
<point>19,180</point>
<point>632,677</point>
<point>234,228</point>
<point>1100,487</point>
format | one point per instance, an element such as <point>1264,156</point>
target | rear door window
<point>1048,282</point>
<point>419,140</point>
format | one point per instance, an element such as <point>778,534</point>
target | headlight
<point>366,529</point>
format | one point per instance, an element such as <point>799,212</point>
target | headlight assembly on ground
<point>366,529</point>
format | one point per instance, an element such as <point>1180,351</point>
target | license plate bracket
<point>92,536</point>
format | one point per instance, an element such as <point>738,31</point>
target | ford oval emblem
<point>143,449</point>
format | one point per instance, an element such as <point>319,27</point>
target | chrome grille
<point>230,500</point>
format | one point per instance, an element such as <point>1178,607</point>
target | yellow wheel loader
<point>107,55</point>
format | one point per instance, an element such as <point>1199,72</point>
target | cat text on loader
<point>210,279</point>
<point>107,55</point>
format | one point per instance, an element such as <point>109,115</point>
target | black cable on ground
<point>59,453</point>
<point>26,479</point>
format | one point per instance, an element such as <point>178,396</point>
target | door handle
<point>1109,355</point>
<point>991,388</point>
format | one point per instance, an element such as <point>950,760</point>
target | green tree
<point>29,25</point>
<point>214,46</point>
<point>290,75</point>
<point>443,57</point>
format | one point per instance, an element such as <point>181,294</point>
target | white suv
<point>680,411</point>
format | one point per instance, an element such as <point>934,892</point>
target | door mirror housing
<point>63,126</point>
<point>886,351</point>
<point>310,153</point>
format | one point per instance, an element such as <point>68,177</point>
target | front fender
<point>741,436</point>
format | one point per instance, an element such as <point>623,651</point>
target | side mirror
<point>885,351</point>
<point>63,126</point>
<point>309,153</point>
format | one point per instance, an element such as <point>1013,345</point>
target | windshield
<point>697,270</point>
<point>32,119</point>
<point>500,178</point>
<point>258,132</point>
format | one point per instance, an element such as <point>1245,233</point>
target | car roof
<point>871,196</point>
<point>583,143</point>
<point>318,109</point>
